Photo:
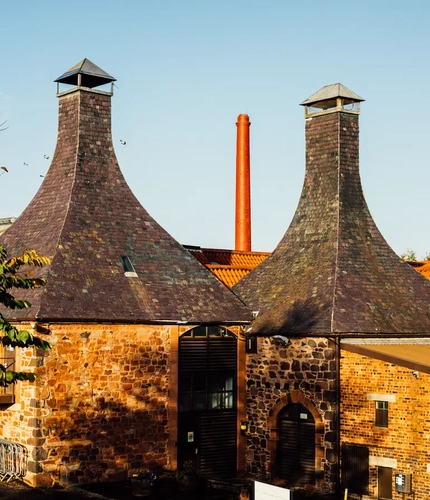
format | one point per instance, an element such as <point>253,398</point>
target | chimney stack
<point>243,186</point>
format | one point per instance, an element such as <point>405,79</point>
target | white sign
<point>263,491</point>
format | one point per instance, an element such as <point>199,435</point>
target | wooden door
<point>296,448</point>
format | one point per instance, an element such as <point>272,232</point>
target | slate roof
<point>229,266</point>
<point>333,272</point>
<point>86,218</point>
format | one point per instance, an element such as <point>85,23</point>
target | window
<point>207,373</point>
<point>381,413</point>
<point>202,392</point>
<point>7,394</point>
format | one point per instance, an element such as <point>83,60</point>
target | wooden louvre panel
<point>218,461</point>
<point>222,353</point>
<point>289,465</point>
<point>355,469</point>
<point>297,447</point>
<point>193,354</point>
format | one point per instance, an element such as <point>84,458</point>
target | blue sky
<point>187,68</point>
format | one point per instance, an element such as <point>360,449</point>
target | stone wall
<point>404,444</point>
<point>100,407</point>
<point>303,372</point>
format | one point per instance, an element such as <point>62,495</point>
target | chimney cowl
<point>330,99</point>
<point>85,74</point>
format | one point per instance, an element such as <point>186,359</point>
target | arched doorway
<point>207,401</point>
<point>296,445</point>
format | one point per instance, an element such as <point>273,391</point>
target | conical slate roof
<point>110,261</point>
<point>333,272</point>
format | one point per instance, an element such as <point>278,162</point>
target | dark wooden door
<point>355,469</point>
<point>189,439</point>
<point>385,483</point>
<point>207,419</point>
<point>296,448</point>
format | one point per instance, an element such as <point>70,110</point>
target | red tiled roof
<point>229,266</point>
<point>423,267</point>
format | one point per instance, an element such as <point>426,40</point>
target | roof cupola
<point>86,75</point>
<point>331,99</point>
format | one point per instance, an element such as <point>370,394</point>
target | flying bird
<point>5,169</point>
<point>25,164</point>
<point>46,157</point>
<point>122,142</point>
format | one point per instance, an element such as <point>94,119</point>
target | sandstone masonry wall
<point>303,372</point>
<point>100,406</point>
<point>406,441</point>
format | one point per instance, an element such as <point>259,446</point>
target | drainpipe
<point>338,396</point>
<point>243,186</point>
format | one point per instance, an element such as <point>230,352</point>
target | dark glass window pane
<point>199,382</point>
<point>215,383</point>
<point>215,331</point>
<point>184,402</point>
<point>200,331</point>
<point>228,383</point>
<point>228,400</point>
<point>214,401</point>
<point>199,401</point>
<point>185,383</point>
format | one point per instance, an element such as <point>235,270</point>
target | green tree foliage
<point>10,278</point>
<point>409,255</point>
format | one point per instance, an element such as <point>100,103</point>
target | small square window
<point>381,413</point>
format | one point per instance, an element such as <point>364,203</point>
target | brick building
<point>331,278</point>
<point>385,415</point>
<point>146,355</point>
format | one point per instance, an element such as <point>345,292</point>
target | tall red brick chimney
<point>243,186</point>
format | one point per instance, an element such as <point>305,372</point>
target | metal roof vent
<point>129,270</point>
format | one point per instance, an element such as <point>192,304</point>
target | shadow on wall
<point>104,443</point>
<point>298,319</point>
<point>102,434</point>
